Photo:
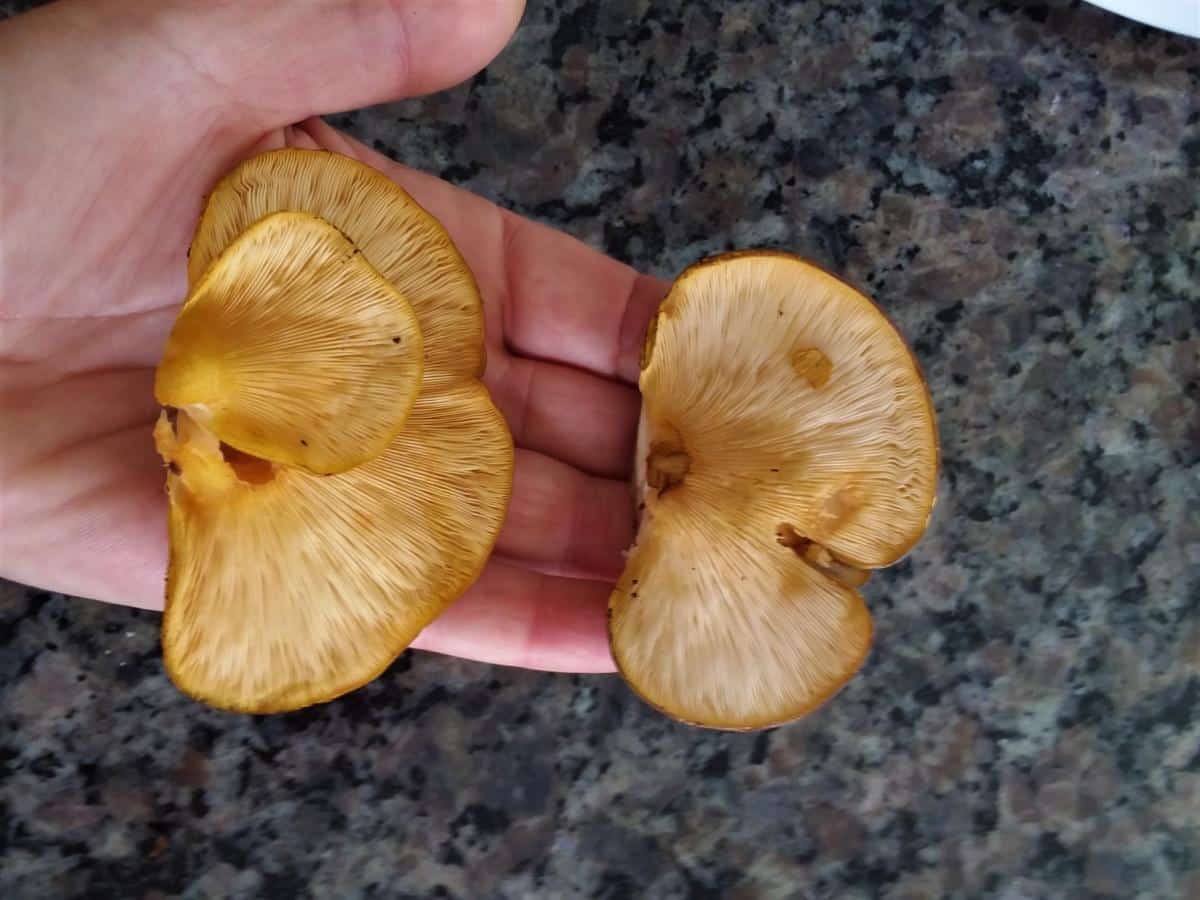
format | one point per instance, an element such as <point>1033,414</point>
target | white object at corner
<point>1182,16</point>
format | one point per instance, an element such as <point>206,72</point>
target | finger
<point>552,296</point>
<point>516,617</point>
<point>574,305</point>
<point>565,521</point>
<point>343,54</point>
<point>584,420</point>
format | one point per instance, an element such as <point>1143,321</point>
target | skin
<point>126,114</point>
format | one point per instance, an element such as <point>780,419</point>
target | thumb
<point>274,61</point>
<point>284,61</point>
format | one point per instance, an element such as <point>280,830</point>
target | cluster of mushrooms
<point>327,438</point>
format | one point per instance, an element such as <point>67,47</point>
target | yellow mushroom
<point>331,327</point>
<point>400,240</point>
<point>293,348</point>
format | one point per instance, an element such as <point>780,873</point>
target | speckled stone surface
<point>1018,185</point>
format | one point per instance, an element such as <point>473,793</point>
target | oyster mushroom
<point>331,326</point>
<point>401,241</point>
<point>271,366</point>
<point>787,447</point>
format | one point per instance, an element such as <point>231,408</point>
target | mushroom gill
<point>811,457</point>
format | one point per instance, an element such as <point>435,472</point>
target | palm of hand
<point>93,277</point>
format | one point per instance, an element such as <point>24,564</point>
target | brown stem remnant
<point>666,465</point>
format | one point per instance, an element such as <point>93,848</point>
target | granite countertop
<point>1017,184</point>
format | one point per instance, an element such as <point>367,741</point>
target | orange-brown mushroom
<point>403,242</point>
<point>331,327</point>
<point>787,446</point>
<point>293,348</point>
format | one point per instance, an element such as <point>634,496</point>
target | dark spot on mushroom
<point>395,340</point>
<point>303,442</point>
<point>820,558</point>
<point>789,537</point>
<point>247,467</point>
<point>173,419</point>
<point>813,366</point>
<point>173,468</point>
<point>648,343</point>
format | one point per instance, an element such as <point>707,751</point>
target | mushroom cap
<point>788,442</point>
<point>295,590</point>
<point>400,240</point>
<point>286,587</point>
<point>291,347</point>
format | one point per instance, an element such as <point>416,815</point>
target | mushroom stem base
<point>667,464</point>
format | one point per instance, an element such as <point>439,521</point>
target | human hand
<point>128,114</point>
